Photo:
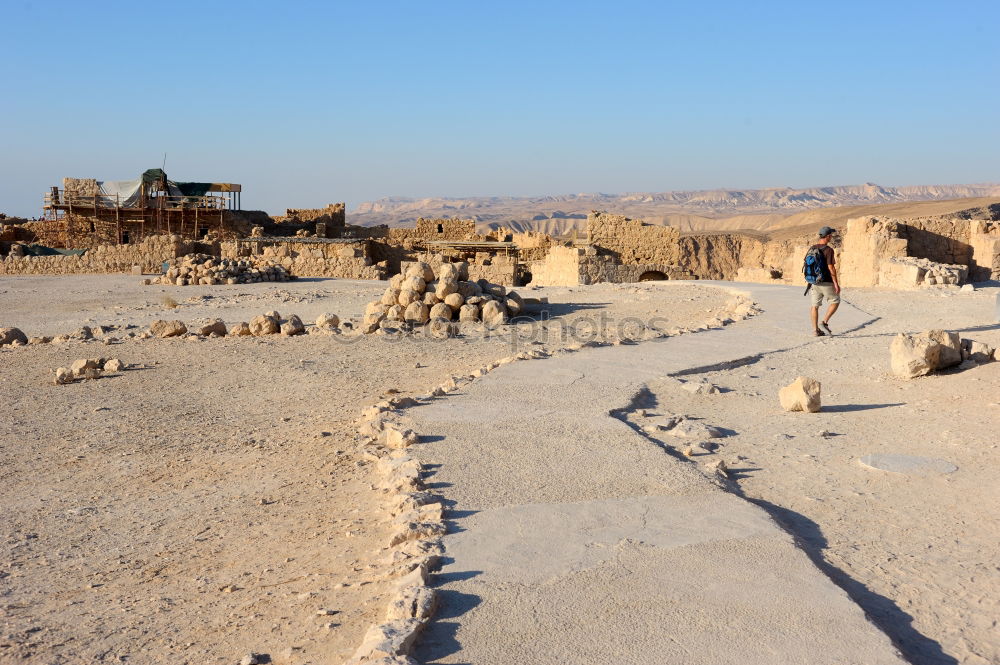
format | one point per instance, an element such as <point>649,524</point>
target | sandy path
<point>918,553</point>
<point>212,504</point>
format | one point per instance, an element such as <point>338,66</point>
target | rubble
<point>205,269</point>
<point>161,328</point>
<point>12,336</point>
<point>803,394</point>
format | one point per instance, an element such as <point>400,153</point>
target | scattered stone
<point>977,352</point>
<point>161,328</point>
<point>11,335</point>
<point>718,468</point>
<point>907,464</point>
<point>700,387</point>
<point>114,365</point>
<point>951,348</point>
<point>241,329</point>
<point>64,376</point>
<point>398,439</point>
<point>388,640</point>
<point>213,327</point>
<point>264,325</point>
<point>251,659</point>
<point>293,326</point>
<point>327,321</point>
<point>967,288</point>
<point>803,394</point>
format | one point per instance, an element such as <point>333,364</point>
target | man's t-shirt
<point>831,260</point>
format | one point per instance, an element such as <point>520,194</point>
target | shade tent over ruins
<point>129,193</point>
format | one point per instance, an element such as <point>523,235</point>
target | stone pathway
<point>576,540</point>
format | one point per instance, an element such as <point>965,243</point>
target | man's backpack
<point>814,266</point>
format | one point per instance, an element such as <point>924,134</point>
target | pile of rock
<point>87,368</point>
<point>269,323</point>
<point>911,271</point>
<point>926,352</point>
<point>198,269</point>
<point>417,296</point>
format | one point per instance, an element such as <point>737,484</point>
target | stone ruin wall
<point>632,241</point>
<point>149,255</point>
<point>573,266</point>
<point>346,260</point>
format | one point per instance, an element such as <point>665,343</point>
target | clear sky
<point>307,103</point>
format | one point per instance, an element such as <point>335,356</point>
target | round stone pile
<point>419,297</point>
<point>195,269</point>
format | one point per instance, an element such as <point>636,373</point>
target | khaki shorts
<point>822,290</point>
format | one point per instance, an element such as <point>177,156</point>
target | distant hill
<point>711,210</point>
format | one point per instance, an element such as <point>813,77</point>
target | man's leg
<point>814,314</point>
<point>829,312</point>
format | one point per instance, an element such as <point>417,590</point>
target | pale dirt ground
<point>919,554</point>
<point>212,502</point>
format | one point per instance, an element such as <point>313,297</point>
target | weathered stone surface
<point>64,375</point>
<point>914,355</point>
<point>442,328</point>
<point>951,348</point>
<point>82,364</point>
<point>468,313</point>
<point>469,289</point>
<point>514,302</point>
<point>327,321</point>
<point>395,313</point>
<point>388,640</point>
<point>412,602</point>
<point>420,269</point>
<point>416,530</point>
<point>977,352</point>
<point>11,335</point>
<point>399,439</point>
<point>414,283</point>
<point>162,328</point>
<point>241,329</point>
<point>441,311</point>
<point>454,300</point>
<point>494,314</point>
<point>700,387</point>
<point>114,365</point>
<point>803,394</point>
<point>406,296</point>
<point>416,313</point>
<point>264,325</point>
<point>213,327</point>
<point>430,299</point>
<point>293,326</point>
<point>446,287</point>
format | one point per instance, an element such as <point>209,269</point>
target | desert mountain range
<point>761,210</point>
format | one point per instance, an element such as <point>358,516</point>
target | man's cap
<point>825,231</point>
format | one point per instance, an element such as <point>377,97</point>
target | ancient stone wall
<point>347,260</point>
<point>572,266</point>
<point>149,255</point>
<point>984,239</point>
<point>631,241</point>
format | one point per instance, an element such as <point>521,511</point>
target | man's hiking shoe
<point>826,327</point>
<point>819,333</point>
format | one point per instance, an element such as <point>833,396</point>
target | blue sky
<point>307,103</point>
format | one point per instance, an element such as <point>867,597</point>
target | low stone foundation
<point>149,255</point>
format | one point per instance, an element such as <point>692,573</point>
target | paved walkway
<point>575,540</point>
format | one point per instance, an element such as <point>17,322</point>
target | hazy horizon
<point>312,104</point>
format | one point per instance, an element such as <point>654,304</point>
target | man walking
<point>827,284</point>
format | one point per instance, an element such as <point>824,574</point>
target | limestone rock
<point>11,335</point>
<point>114,365</point>
<point>914,355</point>
<point>443,328</point>
<point>454,300</point>
<point>241,329</point>
<point>441,311</point>
<point>414,283</point>
<point>468,313</point>
<point>448,272</point>
<point>494,314</point>
<point>213,327</point>
<point>977,352</point>
<point>446,287</point>
<point>390,297</point>
<point>85,333</point>
<point>327,321</point>
<point>469,289</point>
<point>293,326</point>
<point>951,348</point>
<point>700,388</point>
<point>430,299</point>
<point>63,376</point>
<point>163,328</point>
<point>263,325</point>
<point>416,313</point>
<point>388,640</point>
<point>274,315</point>
<point>399,439</point>
<point>80,365</point>
<point>416,602</point>
<point>515,304</point>
<point>420,269</point>
<point>407,296</point>
<point>803,394</point>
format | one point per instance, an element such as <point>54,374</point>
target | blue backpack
<point>814,266</point>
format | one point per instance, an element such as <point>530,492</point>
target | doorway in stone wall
<point>652,276</point>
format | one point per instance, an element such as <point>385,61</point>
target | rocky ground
<point>210,500</point>
<point>918,551</point>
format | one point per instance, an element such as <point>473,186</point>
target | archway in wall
<point>652,276</point>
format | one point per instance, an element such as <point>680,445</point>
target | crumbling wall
<point>632,241</point>
<point>346,260</point>
<point>148,255</point>
<point>984,240</point>
<point>572,266</point>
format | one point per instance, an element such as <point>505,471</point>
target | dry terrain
<point>211,500</point>
<point>918,551</point>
